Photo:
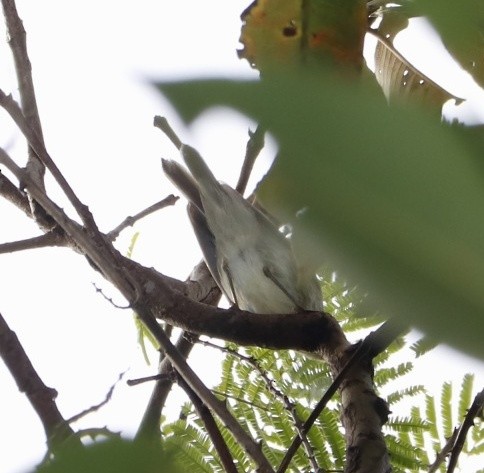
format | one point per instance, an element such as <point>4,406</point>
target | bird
<point>250,259</point>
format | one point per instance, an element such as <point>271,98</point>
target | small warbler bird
<point>249,258</point>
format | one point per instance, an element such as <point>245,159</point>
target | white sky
<point>92,63</point>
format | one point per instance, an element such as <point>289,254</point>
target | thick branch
<point>39,395</point>
<point>350,373</point>
<point>315,332</point>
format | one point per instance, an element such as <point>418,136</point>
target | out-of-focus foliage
<point>394,197</point>
<point>114,456</point>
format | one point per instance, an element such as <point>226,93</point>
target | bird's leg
<point>225,267</point>
<point>268,273</point>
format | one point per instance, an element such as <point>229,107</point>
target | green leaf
<point>394,198</point>
<point>114,456</point>
<point>465,396</point>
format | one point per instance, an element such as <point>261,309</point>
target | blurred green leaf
<point>395,199</point>
<point>113,456</point>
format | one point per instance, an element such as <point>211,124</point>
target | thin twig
<point>52,238</point>
<point>253,149</point>
<point>444,452</point>
<point>211,428</point>
<point>472,413</point>
<point>199,286</point>
<point>98,406</point>
<point>130,221</point>
<point>146,379</point>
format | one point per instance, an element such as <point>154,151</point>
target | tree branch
<point>14,195</point>
<point>12,108</point>
<point>313,332</point>
<point>56,428</point>
<point>211,427</point>
<point>354,371</point>
<point>102,255</point>
<point>97,406</point>
<point>442,455</point>
<point>253,149</point>
<point>52,238</point>
<point>130,221</point>
<point>472,413</point>
<point>252,448</point>
<point>18,45</point>
<point>200,286</point>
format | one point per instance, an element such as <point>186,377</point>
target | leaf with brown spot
<point>293,33</point>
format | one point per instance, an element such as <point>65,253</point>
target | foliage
<point>113,456</point>
<point>270,392</point>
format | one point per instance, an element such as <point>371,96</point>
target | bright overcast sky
<point>92,62</point>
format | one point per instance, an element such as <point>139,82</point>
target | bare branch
<point>130,221</point>
<point>52,238</point>
<point>98,406</point>
<point>14,195</point>
<point>18,45</point>
<point>41,397</point>
<point>314,332</point>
